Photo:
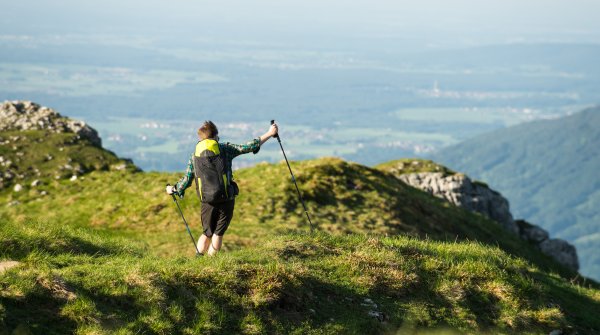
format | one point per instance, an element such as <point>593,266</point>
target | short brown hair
<point>208,130</point>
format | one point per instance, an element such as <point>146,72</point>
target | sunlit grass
<point>75,280</point>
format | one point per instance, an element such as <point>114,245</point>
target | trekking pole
<point>186,224</point>
<point>293,179</point>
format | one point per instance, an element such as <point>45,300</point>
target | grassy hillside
<point>549,172</point>
<point>30,155</point>
<point>342,198</point>
<point>107,253</point>
<point>74,280</point>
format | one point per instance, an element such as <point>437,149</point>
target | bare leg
<point>203,243</point>
<point>215,245</point>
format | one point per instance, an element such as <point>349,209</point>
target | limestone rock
<point>562,251</point>
<point>461,191</point>
<point>27,115</point>
<point>531,232</point>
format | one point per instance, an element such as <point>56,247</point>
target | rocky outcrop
<point>27,115</point>
<point>560,250</point>
<point>38,144</point>
<point>461,191</point>
<point>532,233</point>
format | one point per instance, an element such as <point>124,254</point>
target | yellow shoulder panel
<point>204,145</point>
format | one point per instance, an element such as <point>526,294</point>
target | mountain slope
<point>549,171</point>
<point>106,252</point>
<point>75,281</point>
<point>342,198</point>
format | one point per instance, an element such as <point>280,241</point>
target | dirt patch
<point>5,265</point>
<point>58,287</point>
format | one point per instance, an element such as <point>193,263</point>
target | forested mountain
<point>550,172</point>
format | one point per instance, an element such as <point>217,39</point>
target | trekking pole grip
<point>276,135</point>
<point>172,194</point>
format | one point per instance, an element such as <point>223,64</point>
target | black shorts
<point>216,217</point>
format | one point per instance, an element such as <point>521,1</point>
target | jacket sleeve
<point>235,150</point>
<point>186,180</point>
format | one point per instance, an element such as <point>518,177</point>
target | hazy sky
<point>434,21</point>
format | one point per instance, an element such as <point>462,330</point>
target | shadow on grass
<point>200,302</point>
<point>18,249</point>
<point>16,242</point>
<point>36,313</point>
<point>579,309</point>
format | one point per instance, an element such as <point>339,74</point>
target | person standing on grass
<point>210,167</point>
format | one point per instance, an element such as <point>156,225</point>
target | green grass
<point>74,280</point>
<point>341,197</point>
<point>107,253</point>
<point>46,156</point>
<point>413,165</point>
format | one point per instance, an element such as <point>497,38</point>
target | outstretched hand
<point>170,189</point>
<point>273,130</point>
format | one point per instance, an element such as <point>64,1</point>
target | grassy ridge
<point>75,280</point>
<point>107,253</point>
<point>342,198</point>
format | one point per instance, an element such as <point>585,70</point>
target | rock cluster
<point>27,115</point>
<point>19,165</point>
<point>561,250</point>
<point>461,191</point>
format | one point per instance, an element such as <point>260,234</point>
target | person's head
<point>208,130</point>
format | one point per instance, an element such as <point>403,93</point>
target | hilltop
<point>37,143</point>
<point>106,252</point>
<point>342,197</point>
<point>549,170</point>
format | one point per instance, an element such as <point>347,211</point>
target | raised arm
<point>234,150</point>
<point>270,133</point>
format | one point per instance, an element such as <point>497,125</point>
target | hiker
<point>210,167</point>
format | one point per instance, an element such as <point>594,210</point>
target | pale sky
<point>469,21</point>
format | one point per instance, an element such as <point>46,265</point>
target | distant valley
<point>330,101</point>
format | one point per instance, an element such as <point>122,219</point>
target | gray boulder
<point>27,115</point>
<point>562,251</point>
<point>461,191</point>
<point>531,232</point>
